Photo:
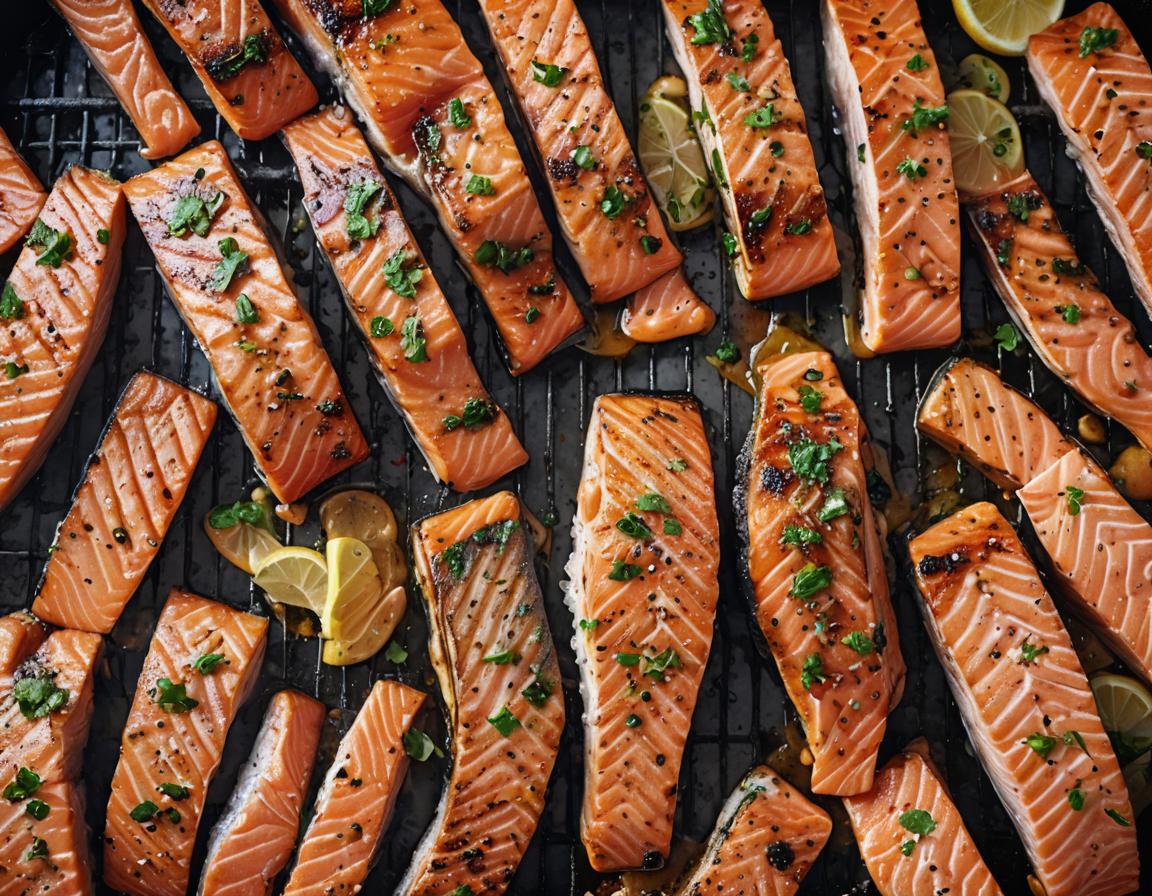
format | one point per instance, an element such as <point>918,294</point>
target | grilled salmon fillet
<point>53,314</point>
<point>21,195</point>
<point>355,801</point>
<point>667,308</point>
<point>755,138</point>
<point>496,665</point>
<point>970,411</point>
<point>254,838</point>
<point>642,590</point>
<point>466,438</point>
<point>1026,703</point>
<point>253,80</point>
<point>1070,322</point>
<point>816,567</point>
<point>430,111</point>
<point>126,501</point>
<point>1090,70</point>
<point>110,34</point>
<point>767,837</point>
<point>269,364</point>
<point>202,663</point>
<point>911,835</point>
<point>886,85</point>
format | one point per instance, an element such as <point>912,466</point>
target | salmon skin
<point>21,195</point>
<point>496,665</point>
<point>202,663</point>
<point>1058,304</point>
<point>1026,703</point>
<point>904,194</point>
<point>54,313</point>
<point>970,411</point>
<point>816,568</point>
<point>466,438</point>
<point>430,111</point>
<point>355,801</point>
<point>907,851</point>
<point>755,138</point>
<point>270,366</point>
<point>256,85</point>
<point>667,308</point>
<point>255,836</point>
<point>110,34</point>
<point>125,503</point>
<point>767,837</point>
<point>642,590</point>
<point>1090,70</point>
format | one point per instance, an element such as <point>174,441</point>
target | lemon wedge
<point>986,148</point>
<point>294,576</point>
<point>979,72</point>
<point>1125,707</point>
<point>1004,26</point>
<point>359,616</point>
<point>243,545</point>
<point>671,156</point>
<point>366,516</point>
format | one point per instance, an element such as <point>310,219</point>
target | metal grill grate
<point>59,112</point>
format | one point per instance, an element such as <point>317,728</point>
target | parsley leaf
<point>494,254</point>
<point>356,223</point>
<point>233,261</point>
<point>402,280</point>
<point>1093,40</point>
<point>457,117</point>
<point>800,535</point>
<point>547,74</point>
<point>710,25</point>
<point>504,721</point>
<point>812,671</point>
<point>412,341</point>
<point>172,697</point>
<point>1075,497</point>
<point>1007,337</point>
<point>810,580</point>
<point>192,214</point>
<point>38,696</point>
<point>810,460</point>
<point>11,305</point>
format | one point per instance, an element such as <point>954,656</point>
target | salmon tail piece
<point>125,503</point>
<point>666,309</point>
<point>1026,703</point>
<point>499,679</point>
<point>21,195</point>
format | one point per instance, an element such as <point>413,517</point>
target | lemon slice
<point>979,72</point>
<point>294,576</point>
<point>242,545</point>
<point>366,516</point>
<point>1125,707</point>
<point>986,148</point>
<point>1004,26</point>
<point>359,616</point>
<point>671,157</point>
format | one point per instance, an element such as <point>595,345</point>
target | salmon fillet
<point>767,837</point>
<point>1071,324</point>
<point>110,34</point>
<point>21,195</point>
<point>1031,715</point>
<point>55,310</point>
<point>907,851</point>
<point>816,568</point>
<point>465,450</point>
<point>1090,70</point>
<point>667,308</point>
<point>886,85</point>
<point>256,85</point>
<point>46,855</point>
<point>255,836</point>
<point>202,663</point>
<point>755,138</point>
<point>970,411</point>
<point>355,801</point>
<point>21,634</point>
<point>269,364</point>
<point>642,590</point>
<point>430,111</point>
<point>496,665</point>
<point>126,501</point>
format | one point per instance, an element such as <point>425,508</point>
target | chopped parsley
<point>144,811</point>
<point>764,117</point>
<point>918,821</point>
<point>912,273</point>
<point>810,580</point>
<point>38,696</point>
<point>613,201</point>
<point>917,63</point>
<point>672,527</point>
<point>656,666</point>
<point>400,279</point>
<point>776,148</point>
<point>13,370</point>
<point>412,341</point>
<point>503,658</point>
<point>650,244</point>
<point>56,244</point>
<point>175,792</point>
<point>1007,337</point>
<point>634,527</point>
<point>246,312</point>
<point>727,352</point>
<point>102,236</point>
<point>653,501</point>
<point>738,83</point>
<point>810,398</point>
<point>479,185</point>
<point>547,74</point>
<point>252,51</point>
<point>11,305</point>
<point>677,465</point>
<point>1071,268</point>
<point>1040,744</point>
<point>358,225</point>
<point>718,169</point>
<point>749,50</point>
<point>924,117</point>
<point>859,642</point>
<point>1074,738</point>
<point>1020,204</point>
<point>38,850</point>
<point>800,535</point>
<point>1070,313</point>
<point>504,721</point>
<point>588,624</point>
<point>730,245</point>
<point>1029,652</point>
<point>1144,149</point>
<point>810,460</point>
<point>254,513</point>
<point>628,659</point>
<point>381,327</point>
<point>23,784</point>
<point>419,746</point>
<point>38,809</point>
<point>477,412</point>
<point>1093,40</point>
<point>582,158</point>
<point>172,697</point>
<point>812,671</point>
<point>799,228</point>
<point>623,572</point>
<point>193,214</point>
<point>494,254</point>
<point>1118,818</point>
<point>457,117</point>
<point>395,653</point>
<point>911,169</point>
<point>455,561</point>
<point>1075,498</point>
<point>1076,797</point>
<point>232,261</point>
<point>206,663</point>
<point>538,692</point>
<point>710,25</point>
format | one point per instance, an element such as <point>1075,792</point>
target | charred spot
<point>653,860</point>
<point>775,480</point>
<point>780,855</point>
<point>341,452</point>
<point>987,221</point>
<point>562,169</point>
<point>223,62</point>
<point>426,136</point>
<point>932,564</point>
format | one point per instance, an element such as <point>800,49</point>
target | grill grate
<point>59,112</point>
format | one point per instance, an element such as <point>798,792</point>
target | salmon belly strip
<point>401,70</point>
<point>256,85</point>
<point>128,498</point>
<point>904,193</point>
<point>110,34</point>
<point>1027,713</point>
<point>496,665</point>
<point>755,138</point>
<point>63,284</point>
<point>945,860</point>
<point>336,167</point>
<point>765,841</point>
<point>1071,324</point>
<point>1101,103</point>
<point>270,366</point>
<point>667,308</point>
<point>256,834</point>
<point>816,566</point>
<point>21,195</point>
<point>174,737</point>
<point>642,591</point>
<point>355,801</point>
